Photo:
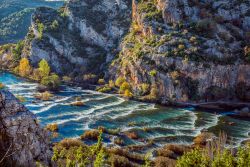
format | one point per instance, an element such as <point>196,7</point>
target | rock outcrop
<point>189,50</point>
<point>174,51</point>
<point>84,37</point>
<point>22,141</point>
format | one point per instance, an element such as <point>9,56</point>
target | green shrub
<point>128,94</point>
<point>153,73</point>
<point>101,81</point>
<point>54,26</point>
<point>193,158</point>
<point>88,77</point>
<point>119,81</point>
<point>40,29</point>
<point>66,79</point>
<point>150,11</point>
<point>44,68</point>
<point>104,89</point>
<point>52,127</point>
<point>52,81</point>
<point>111,84</point>
<point>144,88</point>
<point>73,152</point>
<point>216,155</point>
<point>125,86</point>
<point>17,51</point>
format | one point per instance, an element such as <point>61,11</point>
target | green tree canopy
<point>44,68</point>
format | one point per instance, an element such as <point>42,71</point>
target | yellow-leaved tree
<point>24,68</point>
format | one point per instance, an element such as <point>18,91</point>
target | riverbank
<point>151,122</point>
<point>214,107</point>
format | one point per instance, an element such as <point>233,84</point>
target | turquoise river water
<point>164,124</point>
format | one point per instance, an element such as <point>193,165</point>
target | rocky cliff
<point>188,50</point>
<point>22,141</point>
<point>169,51</point>
<point>82,37</point>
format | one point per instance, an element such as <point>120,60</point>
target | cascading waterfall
<point>164,124</point>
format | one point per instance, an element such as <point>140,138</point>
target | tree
<point>24,67</point>
<point>52,82</point>
<point>44,68</point>
<point>54,25</point>
<point>99,161</point>
<point>193,158</point>
<point>125,86</point>
<point>128,93</point>
<point>119,81</point>
<point>17,51</point>
<point>40,28</point>
<point>153,73</point>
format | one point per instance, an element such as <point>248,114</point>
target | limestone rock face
<point>190,51</point>
<point>22,139</point>
<point>86,38</point>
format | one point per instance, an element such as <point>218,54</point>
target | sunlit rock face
<point>22,139</point>
<point>87,36</point>
<point>196,49</point>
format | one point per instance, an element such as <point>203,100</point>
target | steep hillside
<point>22,141</point>
<point>173,51</point>
<point>187,50</point>
<point>15,17</point>
<point>80,38</point>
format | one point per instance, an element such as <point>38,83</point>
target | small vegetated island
<point>92,72</point>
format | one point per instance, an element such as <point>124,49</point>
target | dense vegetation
<point>15,17</point>
<point>73,152</point>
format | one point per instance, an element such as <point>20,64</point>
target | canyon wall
<point>167,50</point>
<point>22,141</point>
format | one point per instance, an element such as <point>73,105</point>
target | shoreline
<point>213,106</point>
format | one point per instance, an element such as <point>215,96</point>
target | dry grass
<point>21,98</point>
<point>109,131</point>
<point>173,150</point>
<point>118,141</point>
<point>131,135</point>
<point>119,161</point>
<point>67,143</point>
<point>52,127</point>
<point>78,103</point>
<point>201,140</point>
<point>125,153</point>
<point>45,96</point>
<point>164,162</point>
<point>90,134</point>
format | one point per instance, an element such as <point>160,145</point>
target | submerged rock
<point>22,139</point>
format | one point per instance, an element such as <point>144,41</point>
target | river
<point>164,124</point>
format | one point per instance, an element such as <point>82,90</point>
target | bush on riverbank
<point>77,104</point>
<point>90,134</point>
<point>42,74</point>
<point>45,96</point>
<point>1,86</point>
<point>215,155</point>
<point>72,152</point>
<point>52,127</point>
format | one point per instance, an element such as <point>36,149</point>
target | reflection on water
<point>163,124</point>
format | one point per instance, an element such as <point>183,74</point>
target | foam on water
<point>162,124</point>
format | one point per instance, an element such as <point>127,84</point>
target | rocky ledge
<point>22,141</point>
